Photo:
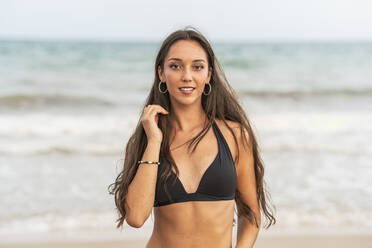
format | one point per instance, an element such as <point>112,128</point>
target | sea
<point>67,109</point>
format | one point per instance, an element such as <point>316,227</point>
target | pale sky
<point>249,20</point>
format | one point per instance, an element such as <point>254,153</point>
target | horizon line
<point>216,41</point>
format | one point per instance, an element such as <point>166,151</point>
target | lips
<point>187,90</point>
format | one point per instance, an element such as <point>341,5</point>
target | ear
<point>209,76</point>
<point>160,73</point>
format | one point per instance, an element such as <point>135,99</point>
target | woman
<point>192,154</point>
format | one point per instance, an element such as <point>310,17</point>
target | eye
<point>199,67</point>
<point>172,66</point>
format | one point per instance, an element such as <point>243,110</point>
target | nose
<point>187,75</point>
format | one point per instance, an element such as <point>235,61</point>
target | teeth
<point>187,89</point>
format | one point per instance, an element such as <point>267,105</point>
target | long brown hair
<point>221,103</point>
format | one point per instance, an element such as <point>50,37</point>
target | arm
<point>246,183</point>
<point>141,191</point>
<point>247,233</point>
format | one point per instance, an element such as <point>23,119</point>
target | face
<point>185,72</point>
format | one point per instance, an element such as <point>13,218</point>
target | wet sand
<point>277,241</point>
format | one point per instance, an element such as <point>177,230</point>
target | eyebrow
<point>195,60</point>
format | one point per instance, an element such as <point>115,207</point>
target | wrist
<point>153,142</point>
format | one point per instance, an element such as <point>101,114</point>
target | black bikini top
<point>218,182</point>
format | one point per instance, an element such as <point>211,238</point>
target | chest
<point>192,166</point>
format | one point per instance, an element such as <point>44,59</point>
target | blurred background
<point>74,76</point>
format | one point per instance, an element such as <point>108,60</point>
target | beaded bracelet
<point>148,162</point>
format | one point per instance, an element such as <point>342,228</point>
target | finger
<point>158,109</point>
<point>154,112</point>
<point>162,110</point>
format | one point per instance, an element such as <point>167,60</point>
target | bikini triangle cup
<point>218,181</point>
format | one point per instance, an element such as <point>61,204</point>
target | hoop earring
<point>210,89</point>
<point>163,92</point>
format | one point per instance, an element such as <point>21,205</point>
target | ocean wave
<point>106,150</point>
<point>307,93</point>
<point>243,63</point>
<point>63,150</point>
<point>31,100</point>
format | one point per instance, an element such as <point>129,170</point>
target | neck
<point>187,118</point>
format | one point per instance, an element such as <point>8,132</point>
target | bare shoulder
<point>235,126</point>
<point>231,124</point>
<point>245,162</point>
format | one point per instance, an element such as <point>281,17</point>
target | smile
<point>186,90</point>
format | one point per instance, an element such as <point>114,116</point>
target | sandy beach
<point>287,241</point>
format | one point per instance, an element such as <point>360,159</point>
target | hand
<point>150,119</point>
